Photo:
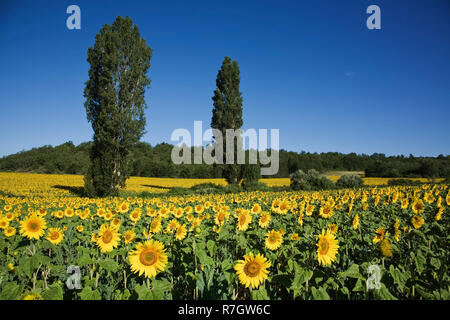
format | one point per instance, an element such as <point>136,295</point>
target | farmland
<point>248,245</point>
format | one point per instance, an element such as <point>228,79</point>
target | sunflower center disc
<point>147,258</point>
<point>33,226</point>
<point>323,247</point>
<point>252,269</point>
<point>107,237</point>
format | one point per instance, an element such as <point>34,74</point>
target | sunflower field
<point>370,243</point>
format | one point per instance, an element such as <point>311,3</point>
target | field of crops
<point>371,243</point>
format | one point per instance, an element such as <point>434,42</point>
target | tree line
<point>155,161</point>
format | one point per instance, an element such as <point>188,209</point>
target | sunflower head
<point>274,239</point>
<point>148,259</point>
<point>55,235</point>
<point>107,238</point>
<point>33,227</point>
<point>327,248</point>
<point>252,270</point>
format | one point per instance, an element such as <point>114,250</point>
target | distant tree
<point>115,103</point>
<point>227,112</point>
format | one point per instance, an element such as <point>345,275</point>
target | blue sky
<point>310,68</point>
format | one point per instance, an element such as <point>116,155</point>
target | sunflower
<point>155,225</point>
<point>418,206</point>
<point>199,209</point>
<point>252,270</point>
<point>405,204</point>
<point>178,213</point>
<point>80,228</point>
<point>300,219</point>
<point>447,199</point>
<point>148,258</point>
<point>107,238</point>
<point>264,219</point>
<point>181,232</point>
<point>221,217</point>
<point>417,221</point>
<point>4,223</point>
<point>115,223</point>
<point>386,248</point>
<point>355,222</point>
<point>124,207</point>
<point>35,296</point>
<point>55,235</point>
<point>439,214</point>
<point>397,230</point>
<point>33,227</point>
<point>274,239</point>
<point>135,215</point>
<point>244,219</point>
<point>326,211</point>
<point>69,212</point>
<point>380,234</point>
<point>128,236</point>
<point>172,226</point>
<point>256,209</point>
<point>9,231</point>
<point>333,228</point>
<point>327,248</point>
<point>295,237</point>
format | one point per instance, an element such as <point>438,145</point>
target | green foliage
<point>349,181</point>
<point>155,161</point>
<point>403,182</point>
<point>227,113</point>
<point>312,180</point>
<point>250,174</point>
<point>115,103</point>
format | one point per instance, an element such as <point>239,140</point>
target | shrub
<point>312,180</point>
<point>349,181</point>
<point>403,182</point>
<point>251,173</point>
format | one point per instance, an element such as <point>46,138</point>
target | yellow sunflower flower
<point>274,239</point>
<point>107,238</point>
<point>252,270</point>
<point>327,248</point>
<point>33,227</point>
<point>148,258</point>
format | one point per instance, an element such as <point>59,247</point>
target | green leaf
<point>352,272</point>
<point>109,264</point>
<point>399,277</point>
<point>164,285</point>
<point>320,294</point>
<point>226,265</point>
<point>205,260</point>
<point>143,292</point>
<point>260,294</point>
<point>10,291</point>
<point>421,261</point>
<point>383,293</point>
<point>54,292</point>
<point>359,286</point>
<point>84,260</point>
<point>301,276</point>
<point>88,294</point>
<point>283,279</point>
<point>211,245</point>
<point>436,263</point>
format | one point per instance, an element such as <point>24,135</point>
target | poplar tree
<point>119,61</point>
<point>227,113</point>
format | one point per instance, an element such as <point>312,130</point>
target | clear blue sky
<point>310,68</point>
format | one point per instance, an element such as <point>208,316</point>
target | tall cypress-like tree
<point>119,61</point>
<point>227,112</point>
